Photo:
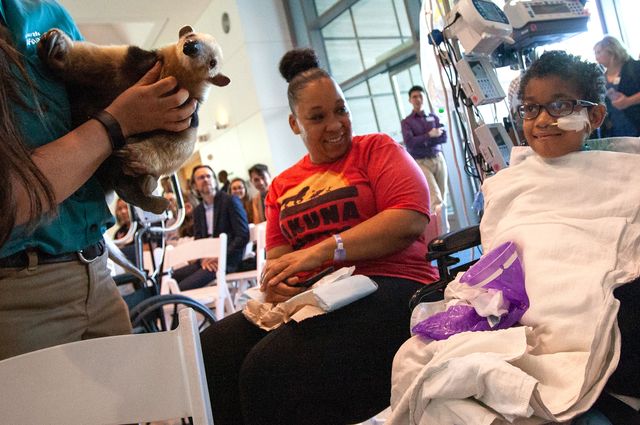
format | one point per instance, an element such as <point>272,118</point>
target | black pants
<point>192,276</point>
<point>626,378</point>
<point>330,369</point>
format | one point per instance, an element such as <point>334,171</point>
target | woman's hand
<point>151,104</point>
<point>622,102</point>
<point>281,292</point>
<point>283,268</point>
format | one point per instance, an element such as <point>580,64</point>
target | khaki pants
<point>55,304</point>
<point>435,170</point>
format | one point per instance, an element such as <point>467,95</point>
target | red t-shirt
<point>309,202</point>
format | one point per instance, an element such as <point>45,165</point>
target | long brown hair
<point>16,167</point>
<point>246,199</point>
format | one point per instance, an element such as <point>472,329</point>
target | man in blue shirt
<point>55,284</point>
<point>423,137</point>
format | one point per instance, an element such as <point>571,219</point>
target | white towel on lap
<point>576,223</point>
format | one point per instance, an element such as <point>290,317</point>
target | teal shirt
<point>83,217</point>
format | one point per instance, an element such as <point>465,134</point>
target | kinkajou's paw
<point>148,184</point>
<point>155,204</point>
<point>53,48</point>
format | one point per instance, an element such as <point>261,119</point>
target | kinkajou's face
<point>202,55</point>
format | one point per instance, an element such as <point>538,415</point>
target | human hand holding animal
<point>150,105</point>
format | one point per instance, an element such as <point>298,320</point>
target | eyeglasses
<point>557,109</point>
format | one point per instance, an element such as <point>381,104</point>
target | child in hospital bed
<point>573,214</point>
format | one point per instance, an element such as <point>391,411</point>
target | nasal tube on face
<point>574,122</point>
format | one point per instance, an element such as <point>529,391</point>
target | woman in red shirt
<point>354,201</point>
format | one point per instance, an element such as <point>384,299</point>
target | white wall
<point>255,101</point>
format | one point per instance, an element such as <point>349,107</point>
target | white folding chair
<point>243,280</point>
<point>112,380</point>
<point>248,250</point>
<point>217,296</point>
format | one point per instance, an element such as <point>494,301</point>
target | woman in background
<point>623,88</point>
<point>239,189</point>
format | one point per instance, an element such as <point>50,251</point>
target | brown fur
<point>96,75</point>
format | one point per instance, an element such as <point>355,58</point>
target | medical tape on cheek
<point>574,122</point>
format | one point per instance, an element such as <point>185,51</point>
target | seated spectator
<point>223,179</point>
<point>261,179</point>
<point>218,213</point>
<point>166,185</point>
<point>334,368</point>
<point>239,189</point>
<point>186,229</point>
<point>192,194</point>
<point>123,220</point>
<point>171,237</point>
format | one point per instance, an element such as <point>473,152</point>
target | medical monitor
<point>490,11</point>
<point>480,26</point>
<point>521,13</point>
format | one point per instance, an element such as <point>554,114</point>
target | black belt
<point>21,258</point>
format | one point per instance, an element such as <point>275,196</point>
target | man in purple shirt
<point>423,136</point>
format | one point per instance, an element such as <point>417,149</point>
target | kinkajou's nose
<point>191,48</point>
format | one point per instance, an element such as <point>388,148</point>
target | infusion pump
<point>495,145</point>
<point>478,80</point>
<point>522,12</point>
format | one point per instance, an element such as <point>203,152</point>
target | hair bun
<point>296,61</point>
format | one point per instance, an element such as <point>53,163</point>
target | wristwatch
<point>114,131</point>
<point>340,254</point>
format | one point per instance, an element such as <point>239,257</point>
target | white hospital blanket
<point>576,222</point>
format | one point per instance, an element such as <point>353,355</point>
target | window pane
<point>402,81</point>
<point>374,50</point>
<point>324,5</point>
<point>344,58</point>
<point>375,18</point>
<point>341,27</point>
<point>362,117</point>
<point>416,76</point>
<point>355,91</point>
<point>387,114</point>
<point>380,84</point>
<point>403,19</point>
<point>628,17</point>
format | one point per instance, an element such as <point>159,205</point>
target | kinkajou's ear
<point>184,31</point>
<point>220,80</point>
